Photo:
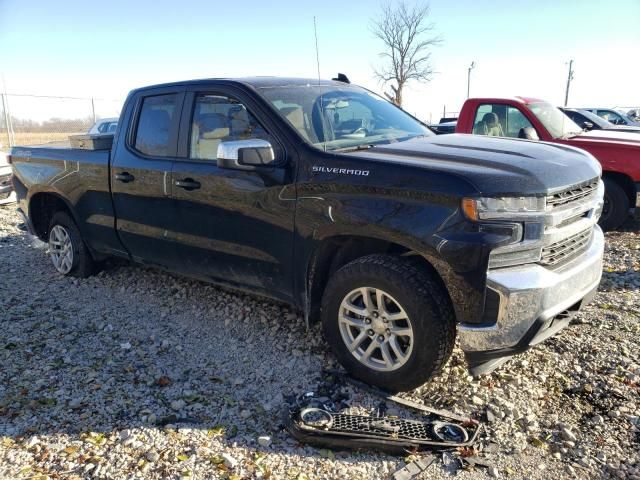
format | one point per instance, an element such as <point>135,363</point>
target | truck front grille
<point>560,252</point>
<point>572,194</point>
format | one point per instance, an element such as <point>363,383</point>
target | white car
<point>6,187</point>
<point>104,125</point>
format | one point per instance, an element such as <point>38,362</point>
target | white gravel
<point>136,373</point>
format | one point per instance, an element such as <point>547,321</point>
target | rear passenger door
<point>141,175</point>
<point>235,226</point>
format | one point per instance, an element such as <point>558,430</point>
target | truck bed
<point>78,178</point>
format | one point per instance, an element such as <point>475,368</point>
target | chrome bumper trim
<point>531,293</point>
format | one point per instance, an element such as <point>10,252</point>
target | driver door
<point>233,225</point>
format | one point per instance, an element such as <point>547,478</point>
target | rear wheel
<point>616,206</point>
<point>388,322</point>
<point>68,252</point>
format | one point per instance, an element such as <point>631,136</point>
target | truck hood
<point>608,136</point>
<point>494,166</point>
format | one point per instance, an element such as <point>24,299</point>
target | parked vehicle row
<point>328,197</point>
<point>535,119</point>
<point>614,116</point>
<point>634,114</point>
<point>590,121</point>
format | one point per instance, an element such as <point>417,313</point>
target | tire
<point>616,206</point>
<point>64,236</point>
<point>407,290</point>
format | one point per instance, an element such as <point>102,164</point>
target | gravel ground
<point>137,373</point>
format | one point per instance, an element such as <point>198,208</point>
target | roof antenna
<point>315,32</point>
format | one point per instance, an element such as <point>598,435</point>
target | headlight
<point>485,208</point>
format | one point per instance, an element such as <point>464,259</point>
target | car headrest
<point>490,119</point>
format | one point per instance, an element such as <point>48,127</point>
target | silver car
<point>104,125</point>
<point>614,116</point>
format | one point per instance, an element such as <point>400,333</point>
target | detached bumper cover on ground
<point>535,303</point>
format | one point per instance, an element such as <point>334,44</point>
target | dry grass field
<point>39,138</point>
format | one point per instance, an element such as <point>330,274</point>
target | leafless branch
<point>407,39</point>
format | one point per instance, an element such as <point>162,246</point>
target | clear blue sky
<point>89,48</point>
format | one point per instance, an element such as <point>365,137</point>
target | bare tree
<point>408,38</point>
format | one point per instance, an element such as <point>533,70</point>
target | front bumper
<point>535,303</point>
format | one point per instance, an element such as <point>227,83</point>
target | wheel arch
<point>332,253</point>
<point>42,207</point>
<point>627,184</point>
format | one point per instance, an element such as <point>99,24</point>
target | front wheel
<point>616,206</point>
<point>388,322</point>
<point>68,252</point>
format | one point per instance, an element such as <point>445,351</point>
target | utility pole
<point>569,78</point>
<point>93,110</point>
<point>471,67</point>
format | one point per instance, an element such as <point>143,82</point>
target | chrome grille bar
<point>572,194</point>
<point>564,250</point>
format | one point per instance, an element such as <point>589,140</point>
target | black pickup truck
<point>326,196</point>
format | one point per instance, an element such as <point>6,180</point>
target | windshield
<point>334,117</point>
<point>595,119</point>
<point>554,120</point>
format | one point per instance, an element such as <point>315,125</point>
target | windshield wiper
<point>364,146</point>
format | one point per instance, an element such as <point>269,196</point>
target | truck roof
<point>517,99</point>
<point>256,82</point>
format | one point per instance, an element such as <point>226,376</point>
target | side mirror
<point>587,126</point>
<point>528,133</point>
<point>245,154</point>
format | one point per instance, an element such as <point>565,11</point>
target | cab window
<point>219,118</point>
<point>496,120</point>
<point>154,124</point>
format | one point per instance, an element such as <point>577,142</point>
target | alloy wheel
<point>375,329</point>
<point>61,249</point>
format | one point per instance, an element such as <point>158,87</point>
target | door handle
<point>125,177</point>
<point>188,184</point>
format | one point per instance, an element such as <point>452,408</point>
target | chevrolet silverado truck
<point>535,119</point>
<point>327,197</point>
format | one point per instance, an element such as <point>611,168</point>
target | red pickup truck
<point>534,119</point>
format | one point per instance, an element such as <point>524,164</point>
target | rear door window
<point>157,116</point>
